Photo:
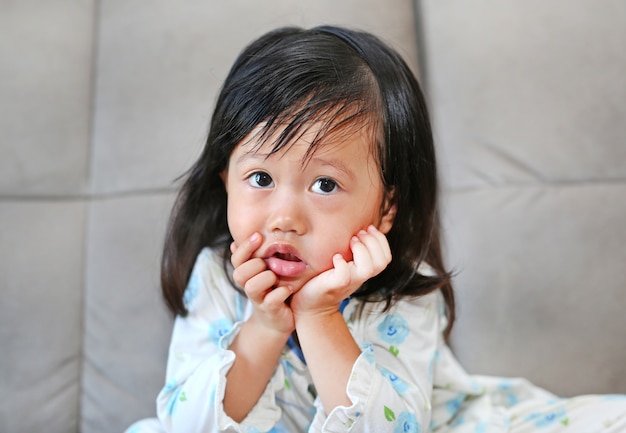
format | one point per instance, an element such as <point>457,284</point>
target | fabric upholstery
<point>104,104</point>
<point>530,119</point>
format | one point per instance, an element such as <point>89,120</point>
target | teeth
<point>289,257</point>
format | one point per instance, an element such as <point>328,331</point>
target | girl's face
<point>306,211</point>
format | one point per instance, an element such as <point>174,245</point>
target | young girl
<point>303,262</point>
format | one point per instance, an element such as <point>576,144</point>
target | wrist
<point>267,331</point>
<point>320,317</point>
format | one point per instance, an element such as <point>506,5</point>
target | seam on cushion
<point>89,198</point>
<point>562,183</point>
<point>420,39</point>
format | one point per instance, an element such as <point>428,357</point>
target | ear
<point>224,176</point>
<point>388,215</point>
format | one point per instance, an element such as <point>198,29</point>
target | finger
<point>243,252</point>
<point>275,298</point>
<point>247,270</point>
<point>259,286</point>
<point>336,278</point>
<point>377,246</point>
<point>363,264</point>
<point>341,268</point>
<point>382,238</point>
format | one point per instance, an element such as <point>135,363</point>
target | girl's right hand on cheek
<point>251,273</point>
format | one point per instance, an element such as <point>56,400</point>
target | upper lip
<point>283,250</point>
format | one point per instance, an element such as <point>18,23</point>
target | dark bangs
<point>289,80</point>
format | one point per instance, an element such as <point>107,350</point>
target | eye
<point>324,185</point>
<point>260,179</point>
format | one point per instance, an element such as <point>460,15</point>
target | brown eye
<point>324,185</point>
<point>260,179</point>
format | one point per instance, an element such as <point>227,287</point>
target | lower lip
<point>285,268</point>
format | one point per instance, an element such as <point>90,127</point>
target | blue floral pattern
<point>219,328</point>
<point>368,352</point>
<point>174,390</point>
<point>394,329</point>
<point>508,393</point>
<point>454,405</point>
<point>407,423</point>
<point>548,418</point>
<point>191,291</point>
<point>481,427</point>
<point>398,384</point>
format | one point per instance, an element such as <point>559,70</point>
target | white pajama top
<point>405,380</point>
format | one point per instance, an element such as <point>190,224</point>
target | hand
<point>322,294</point>
<point>270,308</point>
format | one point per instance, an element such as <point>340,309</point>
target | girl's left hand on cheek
<point>370,256</point>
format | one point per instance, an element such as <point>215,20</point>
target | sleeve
<point>199,359</point>
<point>392,380</point>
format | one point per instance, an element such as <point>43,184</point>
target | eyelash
<point>257,179</point>
<point>254,178</point>
<point>325,181</point>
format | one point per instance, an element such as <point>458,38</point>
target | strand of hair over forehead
<point>331,109</point>
<point>331,122</point>
<point>377,57</point>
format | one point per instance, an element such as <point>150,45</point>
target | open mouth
<point>287,257</point>
<point>284,261</point>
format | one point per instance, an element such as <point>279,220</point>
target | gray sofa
<point>103,104</point>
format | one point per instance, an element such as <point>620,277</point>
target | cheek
<point>338,237</point>
<point>332,244</point>
<point>239,224</point>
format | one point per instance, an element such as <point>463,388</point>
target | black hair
<point>286,80</point>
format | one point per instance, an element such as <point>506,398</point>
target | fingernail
<point>254,237</point>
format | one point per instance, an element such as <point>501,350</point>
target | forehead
<point>314,139</point>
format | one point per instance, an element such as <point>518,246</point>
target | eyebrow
<point>336,163</point>
<point>251,155</point>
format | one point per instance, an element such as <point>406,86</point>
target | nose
<point>286,213</point>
